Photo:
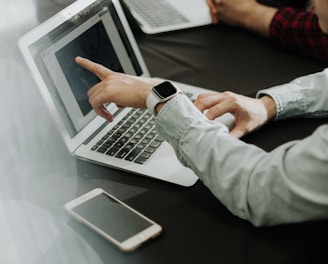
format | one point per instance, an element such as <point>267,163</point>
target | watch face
<point>165,89</point>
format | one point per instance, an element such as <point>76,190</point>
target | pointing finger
<point>97,69</point>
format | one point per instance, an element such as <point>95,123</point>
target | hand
<point>248,14</point>
<point>250,114</point>
<point>231,12</point>
<point>122,89</point>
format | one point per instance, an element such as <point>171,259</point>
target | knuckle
<point>201,101</point>
<point>200,97</point>
<point>230,96</point>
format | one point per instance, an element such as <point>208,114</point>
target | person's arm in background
<point>290,28</point>
<point>242,13</point>
<point>299,31</point>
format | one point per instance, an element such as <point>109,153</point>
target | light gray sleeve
<point>289,184</point>
<point>306,96</point>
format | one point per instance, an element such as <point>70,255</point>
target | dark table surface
<point>38,175</point>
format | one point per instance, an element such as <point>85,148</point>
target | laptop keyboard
<point>134,138</point>
<point>156,12</point>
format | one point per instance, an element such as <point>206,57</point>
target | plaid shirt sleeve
<point>299,31</point>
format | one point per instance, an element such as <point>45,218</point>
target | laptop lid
<point>82,29</point>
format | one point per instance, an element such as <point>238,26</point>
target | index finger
<point>97,69</point>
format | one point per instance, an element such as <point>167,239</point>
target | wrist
<point>159,107</point>
<point>270,107</point>
<point>145,89</point>
<point>160,94</point>
<point>258,19</point>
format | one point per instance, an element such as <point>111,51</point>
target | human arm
<point>283,186</point>
<point>303,97</point>
<point>299,31</point>
<point>306,96</point>
<point>116,87</point>
<point>293,29</point>
<point>114,84</point>
<point>287,185</point>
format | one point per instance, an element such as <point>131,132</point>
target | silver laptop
<point>98,30</point>
<point>158,16</point>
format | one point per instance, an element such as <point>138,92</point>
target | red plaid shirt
<point>299,31</point>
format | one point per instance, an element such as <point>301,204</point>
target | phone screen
<point>112,217</point>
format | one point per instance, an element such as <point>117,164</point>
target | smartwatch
<point>159,94</point>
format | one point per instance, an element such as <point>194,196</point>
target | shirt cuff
<point>288,99</point>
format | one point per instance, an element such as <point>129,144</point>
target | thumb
<point>97,69</point>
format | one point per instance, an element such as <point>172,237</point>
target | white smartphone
<point>113,219</point>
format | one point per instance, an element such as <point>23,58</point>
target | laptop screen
<point>95,33</point>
